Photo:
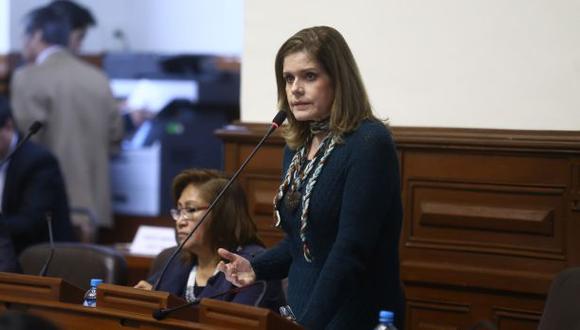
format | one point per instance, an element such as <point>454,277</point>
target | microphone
<point>34,128</point>
<point>44,268</point>
<point>161,313</point>
<point>276,122</point>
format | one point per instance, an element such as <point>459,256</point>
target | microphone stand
<point>44,269</point>
<point>278,119</point>
<point>31,131</point>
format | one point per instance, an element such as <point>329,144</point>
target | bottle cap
<point>96,281</point>
<point>386,316</point>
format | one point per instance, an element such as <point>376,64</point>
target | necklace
<point>300,175</point>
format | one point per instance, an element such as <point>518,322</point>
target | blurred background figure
<point>31,188</point>
<point>79,19</point>
<point>82,125</point>
<point>229,224</point>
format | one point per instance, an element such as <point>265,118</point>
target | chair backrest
<point>76,263</point>
<point>561,309</point>
<point>160,260</point>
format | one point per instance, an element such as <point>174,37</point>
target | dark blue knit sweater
<point>353,232</point>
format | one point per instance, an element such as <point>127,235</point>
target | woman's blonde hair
<point>230,225</point>
<point>351,104</point>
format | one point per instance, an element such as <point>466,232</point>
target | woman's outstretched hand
<point>143,285</point>
<point>238,270</point>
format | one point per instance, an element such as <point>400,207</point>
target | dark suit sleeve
<point>37,183</point>
<point>252,295</point>
<point>274,263</point>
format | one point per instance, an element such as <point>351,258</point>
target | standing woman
<point>339,202</point>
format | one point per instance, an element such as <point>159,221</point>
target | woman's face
<point>309,89</point>
<point>192,207</point>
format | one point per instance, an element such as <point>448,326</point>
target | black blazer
<point>33,187</point>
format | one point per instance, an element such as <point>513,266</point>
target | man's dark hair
<point>5,112</point>
<point>78,17</point>
<point>54,27</point>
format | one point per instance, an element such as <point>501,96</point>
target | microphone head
<point>35,127</point>
<point>159,314</point>
<point>279,119</point>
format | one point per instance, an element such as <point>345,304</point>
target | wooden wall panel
<point>490,217</point>
<point>260,178</point>
<point>515,319</point>
<point>260,197</point>
<point>431,315</point>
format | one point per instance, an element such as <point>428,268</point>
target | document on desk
<point>154,94</point>
<point>150,240</point>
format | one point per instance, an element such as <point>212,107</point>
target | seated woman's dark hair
<point>231,225</point>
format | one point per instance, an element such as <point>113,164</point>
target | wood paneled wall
<point>8,63</point>
<point>490,217</point>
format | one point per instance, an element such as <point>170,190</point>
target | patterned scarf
<point>296,176</point>
<point>317,127</point>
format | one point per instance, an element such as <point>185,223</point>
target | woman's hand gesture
<point>143,285</point>
<point>238,270</point>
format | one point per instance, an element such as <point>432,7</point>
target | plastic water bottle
<point>91,295</point>
<point>386,321</point>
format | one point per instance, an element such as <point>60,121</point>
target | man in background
<point>31,188</point>
<point>79,20</point>
<point>82,125</point>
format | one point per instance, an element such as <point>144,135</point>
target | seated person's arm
<point>37,198</point>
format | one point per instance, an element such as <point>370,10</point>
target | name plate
<point>150,240</point>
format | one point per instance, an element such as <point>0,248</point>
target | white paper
<point>153,95</point>
<point>122,88</point>
<point>150,240</point>
<point>136,178</point>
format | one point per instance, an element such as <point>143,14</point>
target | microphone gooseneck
<point>278,119</point>
<point>161,313</point>
<point>276,122</point>
<point>44,268</point>
<point>34,128</point>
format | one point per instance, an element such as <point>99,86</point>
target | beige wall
<point>4,31</point>
<point>449,63</point>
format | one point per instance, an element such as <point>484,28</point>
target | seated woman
<point>193,273</point>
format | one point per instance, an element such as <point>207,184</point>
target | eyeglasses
<point>186,213</point>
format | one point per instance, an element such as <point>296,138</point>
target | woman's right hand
<point>238,271</point>
<point>144,285</point>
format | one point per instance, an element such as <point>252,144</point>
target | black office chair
<point>561,310</point>
<point>76,263</point>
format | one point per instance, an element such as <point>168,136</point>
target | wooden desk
<point>71,316</point>
<point>121,307</point>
